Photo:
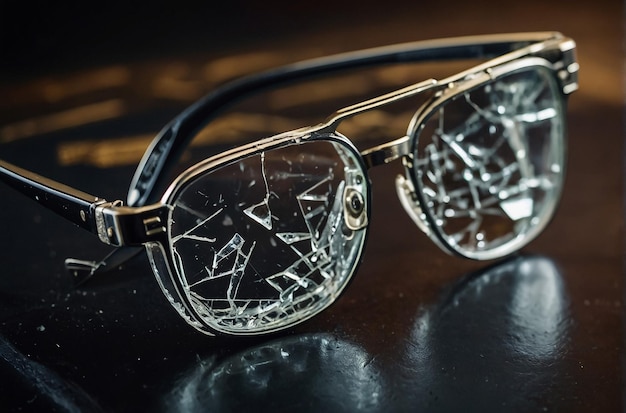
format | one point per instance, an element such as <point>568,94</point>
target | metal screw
<point>355,203</point>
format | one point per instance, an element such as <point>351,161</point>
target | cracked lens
<point>490,161</point>
<point>263,243</point>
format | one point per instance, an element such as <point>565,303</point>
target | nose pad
<point>406,194</point>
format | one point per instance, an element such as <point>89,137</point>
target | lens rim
<point>179,298</point>
<point>454,90</point>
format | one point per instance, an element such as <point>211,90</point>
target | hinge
<point>118,225</point>
<point>105,231</point>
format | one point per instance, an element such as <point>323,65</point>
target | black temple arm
<point>72,204</point>
<point>169,143</point>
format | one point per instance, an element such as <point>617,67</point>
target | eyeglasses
<point>266,235</point>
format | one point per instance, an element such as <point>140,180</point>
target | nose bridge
<point>386,152</point>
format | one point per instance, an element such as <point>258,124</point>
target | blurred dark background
<point>40,37</point>
<point>43,37</point>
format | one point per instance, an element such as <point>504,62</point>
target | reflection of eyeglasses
<point>266,235</point>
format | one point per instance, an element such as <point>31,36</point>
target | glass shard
<point>256,258</point>
<point>261,212</point>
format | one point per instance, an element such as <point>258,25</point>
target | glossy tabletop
<point>416,330</point>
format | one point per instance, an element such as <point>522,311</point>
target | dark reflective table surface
<point>520,320</point>
<point>416,330</point>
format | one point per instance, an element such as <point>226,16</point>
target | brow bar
<point>171,141</point>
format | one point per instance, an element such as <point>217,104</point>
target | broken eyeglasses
<point>266,235</point>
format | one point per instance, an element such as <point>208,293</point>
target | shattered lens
<point>270,240</point>
<point>489,163</point>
